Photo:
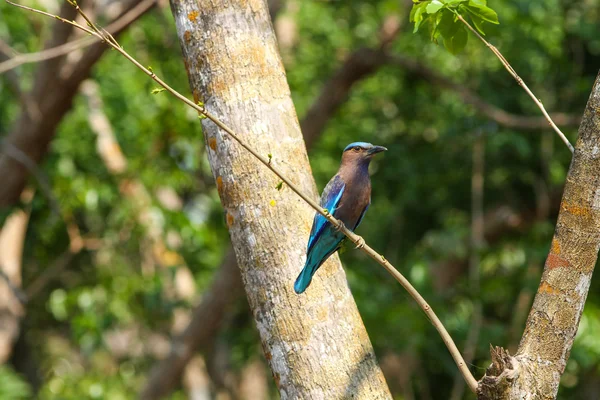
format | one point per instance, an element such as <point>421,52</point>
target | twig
<point>267,162</point>
<point>519,80</point>
<point>80,43</point>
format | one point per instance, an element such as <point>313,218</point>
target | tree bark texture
<point>535,371</point>
<point>316,344</point>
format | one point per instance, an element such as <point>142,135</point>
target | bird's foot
<point>338,226</point>
<point>360,243</point>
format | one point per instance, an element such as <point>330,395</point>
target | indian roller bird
<point>347,197</point>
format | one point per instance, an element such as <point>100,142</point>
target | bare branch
<point>65,48</point>
<point>267,162</point>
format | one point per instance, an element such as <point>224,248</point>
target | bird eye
<point>357,149</point>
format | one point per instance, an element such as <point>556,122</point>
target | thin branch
<point>20,58</point>
<point>268,162</point>
<point>520,81</point>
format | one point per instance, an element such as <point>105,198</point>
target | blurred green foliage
<point>419,218</point>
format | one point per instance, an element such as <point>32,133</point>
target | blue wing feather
<point>323,240</point>
<point>330,199</point>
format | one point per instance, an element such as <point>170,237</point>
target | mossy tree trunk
<point>315,344</point>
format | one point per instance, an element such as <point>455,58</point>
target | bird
<point>347,197</point>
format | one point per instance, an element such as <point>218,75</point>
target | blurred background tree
<point>124,234</point>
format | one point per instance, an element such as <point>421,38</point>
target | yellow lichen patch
<point>556,261</point>
<point>187,36</point>
<point>230,219</point>
<point>193,15</point>
<point>574,209</point>
<point>212,143</point>
<point>272,203</point>
<point>546,288</point>
<point>555,246</point>
<point>219,184</point>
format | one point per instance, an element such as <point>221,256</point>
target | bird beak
<point>375,150</point>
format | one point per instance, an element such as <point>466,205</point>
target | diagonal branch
<point>519,80</point>
<point>65,48</point>
<point>267,161</point>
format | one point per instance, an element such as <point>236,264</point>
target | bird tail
<point>304,278</point>
<point>310,267</point>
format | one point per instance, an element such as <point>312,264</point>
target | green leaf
<point>482,3</point>
<point>158,90</point>
<point>435,32</point>
<point>279,185</point>
<point>478,23</point>
<point>416,14</point>
<point>457,42</point>
<point>434,6</point>
<point>483,12</point>
<point>448,25</point>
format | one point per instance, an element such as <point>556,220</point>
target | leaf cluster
<point>444,22</point>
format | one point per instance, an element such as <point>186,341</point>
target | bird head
<point>360,152</point>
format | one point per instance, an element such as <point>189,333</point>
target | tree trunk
<point>316,344</point>
<point>535,371</point>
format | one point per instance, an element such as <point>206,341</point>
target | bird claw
<point>339,226</point>
<point>360,243</point>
